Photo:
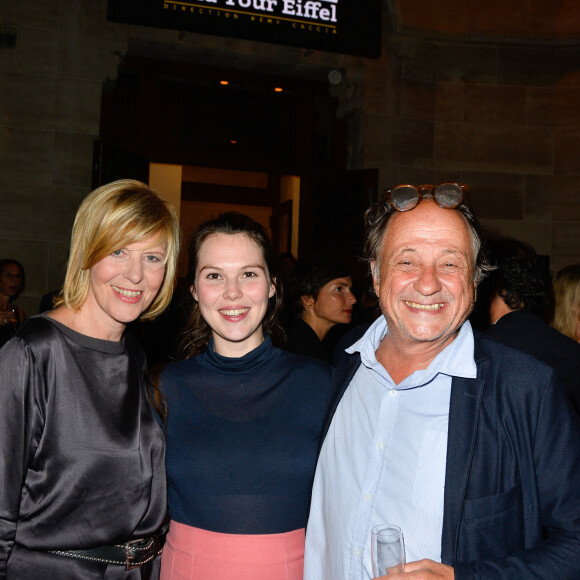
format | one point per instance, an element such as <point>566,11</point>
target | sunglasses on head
<point>406,197</point>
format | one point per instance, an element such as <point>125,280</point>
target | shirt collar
<point>455,360</point>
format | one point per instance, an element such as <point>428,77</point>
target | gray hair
<point>378,215</point>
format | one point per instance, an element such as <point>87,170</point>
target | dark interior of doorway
<point>175,112</point>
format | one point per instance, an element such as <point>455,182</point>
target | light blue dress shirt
<point>383,461</point>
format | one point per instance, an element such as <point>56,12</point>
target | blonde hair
<point>110,218</point>
<point>567,301</point>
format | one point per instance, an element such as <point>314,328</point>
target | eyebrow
<point>454,251</point>
<point>161,248</point>
<point>246,267</point>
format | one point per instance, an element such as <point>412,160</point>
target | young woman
<point>323,298</point>
<point>83,492</point>
<point>243,419</point>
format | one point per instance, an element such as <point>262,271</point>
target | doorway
<point>202,193</point>
<point>231,139</point>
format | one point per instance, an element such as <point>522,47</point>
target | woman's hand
<point>8,317</point>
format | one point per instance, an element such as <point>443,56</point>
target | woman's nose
<point>351,297</point>
<point>232,289</point>
<point>134,269</point>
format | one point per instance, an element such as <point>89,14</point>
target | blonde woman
<point>567,301</point>
<point>83,491</point>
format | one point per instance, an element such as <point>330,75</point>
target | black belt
<point>131,554</point>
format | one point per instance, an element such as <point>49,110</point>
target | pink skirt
<point>195,554</point>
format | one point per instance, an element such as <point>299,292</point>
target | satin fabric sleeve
<point>22,404</point>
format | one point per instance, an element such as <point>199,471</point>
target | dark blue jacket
<point>528,332</point>
<point>513,468</point>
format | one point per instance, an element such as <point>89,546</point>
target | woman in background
<point>567,301</point>
<point>11,284</point>
<point>322,298</point>
<point>83,492</point>
<point>243,419</point>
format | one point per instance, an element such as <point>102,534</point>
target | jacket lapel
<point>464,407</point>
<point>341,377</point>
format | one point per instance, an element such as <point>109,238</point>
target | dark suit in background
<point>529,333</point>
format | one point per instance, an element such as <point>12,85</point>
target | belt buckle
<point>138,552</point>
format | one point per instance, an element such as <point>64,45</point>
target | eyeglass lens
<point>448,195</point>
<point>404,197</point>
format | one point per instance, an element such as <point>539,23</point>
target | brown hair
<point>6,262</point>
<point>197,332</point>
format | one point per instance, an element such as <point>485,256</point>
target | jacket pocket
<point>494,525</point>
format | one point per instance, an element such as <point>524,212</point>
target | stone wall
<point>485,93</point>
<point>50,87</point>
<point>51,82</point>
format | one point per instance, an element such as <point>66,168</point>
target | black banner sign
<point>344,26</point>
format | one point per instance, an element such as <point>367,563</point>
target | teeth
<point>128,293</point>
<point>235,312</point>
<point>424,306</point>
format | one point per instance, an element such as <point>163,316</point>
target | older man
<point>470,447</point>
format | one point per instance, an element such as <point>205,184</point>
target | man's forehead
<point>427,224</point>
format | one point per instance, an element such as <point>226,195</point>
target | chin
<point>126,318</point>
<point>429,336</point>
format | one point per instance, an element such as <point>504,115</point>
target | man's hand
<point>423,570</point>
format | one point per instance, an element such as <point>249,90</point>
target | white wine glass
<point>387,550</point>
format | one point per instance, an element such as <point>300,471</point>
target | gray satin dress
<point>81,455</point>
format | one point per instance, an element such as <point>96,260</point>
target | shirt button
<point>393,393</point>
<point>380,444</point>
<point>357,552</point>
<point>367,497</point>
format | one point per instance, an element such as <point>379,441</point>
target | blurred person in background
<point>322,298</point>
<point>520,296</point>
<point>567,301</point>
<point>83,492</point>
<point>11,284</point>
<point>47,301</point>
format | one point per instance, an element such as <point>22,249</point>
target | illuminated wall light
<point>224,83</point>
<point>278,89</point>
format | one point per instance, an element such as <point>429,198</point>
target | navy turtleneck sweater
<point>242,439</point>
